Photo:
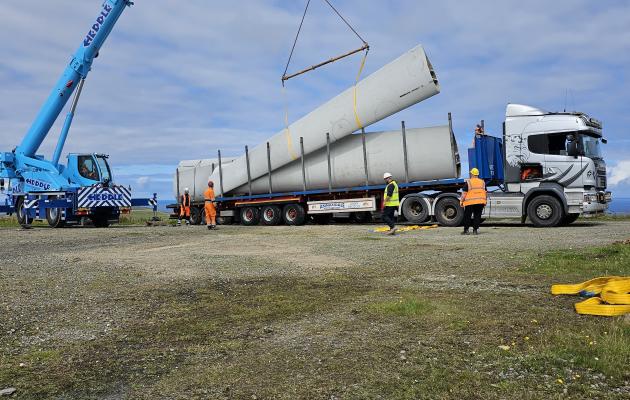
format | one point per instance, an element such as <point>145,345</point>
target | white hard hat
<point>387,175</point>
<point>186,190</point>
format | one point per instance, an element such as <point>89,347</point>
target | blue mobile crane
<point>37,188</point>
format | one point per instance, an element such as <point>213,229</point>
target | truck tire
<point>415,209</point>
<point>361,217</point>
<point>20,212</point>
<point>545,211</point>
<point>271,215</point>
<point>54,216</point>
<point>196,215</point>
<point>250,216</point>
<point>448,212</point>
<point>569,219</point>
<point>294,214</point>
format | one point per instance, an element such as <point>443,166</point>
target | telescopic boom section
<point>78,70</point>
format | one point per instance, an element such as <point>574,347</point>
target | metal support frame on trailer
<point>303,166</point>
<point>404,144</point>
<point>328,159</point>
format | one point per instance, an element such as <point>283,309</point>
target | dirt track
<point>164,312</point>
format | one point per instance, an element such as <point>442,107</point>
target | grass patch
<point>584,263</point>
<point>404,307</point>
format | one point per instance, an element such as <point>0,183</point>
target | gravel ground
<point>70,291</point>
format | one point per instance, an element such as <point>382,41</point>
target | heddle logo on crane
<point>38,184</point>
<point>97,26</point>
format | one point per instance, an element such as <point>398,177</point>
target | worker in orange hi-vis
<point>184,208</point>
<point>211,211</point>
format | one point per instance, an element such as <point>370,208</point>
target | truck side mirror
<point>572,148</point>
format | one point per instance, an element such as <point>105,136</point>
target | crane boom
<point>76,71</point>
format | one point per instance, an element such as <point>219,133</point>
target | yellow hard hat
<point>474,172</point>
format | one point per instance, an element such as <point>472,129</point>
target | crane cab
<point>88,169</point>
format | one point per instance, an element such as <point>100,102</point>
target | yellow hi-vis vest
<point>394,201</point>
<point>476,192</point>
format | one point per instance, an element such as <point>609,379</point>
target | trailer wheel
<point>545,211</point>
<point>271,215</point>
<point>361,217</point>
<point>196,215</point>
<point>294,214</point>
<point>415,209</point>
<point>21,213</point>
<point>250,216</point>
<point>448,212</point>
<point>54,216</point>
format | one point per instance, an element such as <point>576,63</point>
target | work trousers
<point>388,216</point>
<point>184,212</point>
<point>472,214</point>
<point>211,214</point>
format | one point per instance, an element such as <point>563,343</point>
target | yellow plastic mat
<point>608,296</point>
<point>407,228</point>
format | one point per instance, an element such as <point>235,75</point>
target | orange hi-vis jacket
<point>476,193</point>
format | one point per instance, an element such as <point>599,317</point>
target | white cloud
<point>620,173</point>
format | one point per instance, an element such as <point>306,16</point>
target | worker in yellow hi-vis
<point>391,202</point>
<point>473,200</point>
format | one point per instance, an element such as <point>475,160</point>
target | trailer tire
<point>415,209</point>
<point>545,211</point>
<point>196,215</point>
<point>294,214</point>
<point>54,216</point>
<point>250,216</point>
<point>448,212</point>
<point>361,217</point>
<point>271,215</point>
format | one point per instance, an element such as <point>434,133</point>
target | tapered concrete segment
<point>402,83</point>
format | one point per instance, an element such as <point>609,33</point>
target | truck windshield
<point>104,167</point>
<point>590,146</point>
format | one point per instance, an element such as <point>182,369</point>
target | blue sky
<point>177,80</point>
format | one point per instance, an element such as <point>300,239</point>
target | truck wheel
<point>21,213</point>
<point>448,212</point>
<point>196,215</point>
<point>294,214</point>
<point>271,215</point>
<point>54,216</point>
<point>322,219</point>
<point>361,217</point>
<point>250,216</point>
<point>545,211</point>
<point>570,218</point>
<point>415,209</point>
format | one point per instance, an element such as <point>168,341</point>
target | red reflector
<point>69,84</point>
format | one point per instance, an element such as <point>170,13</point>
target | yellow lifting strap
<point>613,292</point>
<point>407,228</point>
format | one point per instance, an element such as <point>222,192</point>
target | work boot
<point>213,226</point>
<point>187,222</point>
<point>465,232</point>
<point>475,232</point>
<point>209,227</point>
<point>179,222</point>
<point>391,232</point>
